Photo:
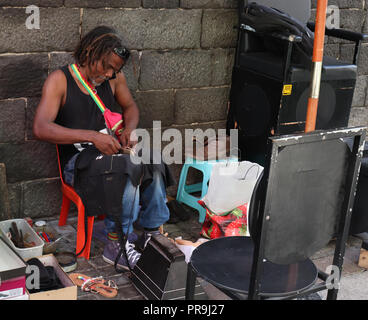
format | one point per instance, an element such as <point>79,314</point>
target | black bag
<point>48,278</point>
<point>100,181</point>
<point>266,20</point>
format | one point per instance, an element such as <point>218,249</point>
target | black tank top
<point>81,112</point>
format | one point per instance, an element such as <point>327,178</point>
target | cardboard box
<point>12,272</point>
<point>69,292</point>
<point>13,288</point>
<point>23,297</point>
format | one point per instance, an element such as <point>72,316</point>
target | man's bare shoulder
<point>56,80</point>
<point>120,77</point>
<point>57,76</point>
<point>119,81</point>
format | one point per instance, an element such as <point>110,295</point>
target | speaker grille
<point>253,110</point>
<point>326,106</point>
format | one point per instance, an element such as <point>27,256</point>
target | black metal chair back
<point>304,198</point>
<point>311,182</point>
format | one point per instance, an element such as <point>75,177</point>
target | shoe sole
<point>120,266</point>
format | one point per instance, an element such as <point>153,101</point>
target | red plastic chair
<point>69,194</point>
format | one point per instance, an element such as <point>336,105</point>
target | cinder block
<point>186,69</point>
<point>201,105</point>
<point>342,4</point>
<point>32,104</point>
<point>150,29</point>
<point>103,4</point>
<point>222,62</point>
<point>12,120</point>
<point>26,3</point>
<point>15,192</point>
<point>42,198</point>
<point>155,106</point>
<point>208,4</point>
<point>29,161</point>
<point>218,28</point>
<point>360,92</point>
<point>60,59</point>
<point>352,19</point>
<point>358,117</point>
<point>347,53</point>
<point>332,50</point>
<point>175,69</point>
<point>59,30</point>
<point>22,75</point>
<point>168,4</point>
<point>132,71</point>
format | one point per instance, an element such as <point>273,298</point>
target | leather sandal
<point>95,285</point>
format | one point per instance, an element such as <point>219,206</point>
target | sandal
<point>95,285</point>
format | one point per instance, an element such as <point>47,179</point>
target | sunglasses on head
<point>123,53</point>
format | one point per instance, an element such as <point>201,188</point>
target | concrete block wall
<point>180,73</point>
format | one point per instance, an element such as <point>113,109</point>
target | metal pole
<point>319,37</point>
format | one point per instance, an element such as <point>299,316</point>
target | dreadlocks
<point>98,42</point>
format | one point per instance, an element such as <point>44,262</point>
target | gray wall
<point>180,74</point>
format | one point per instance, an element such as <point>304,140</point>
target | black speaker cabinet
<point>261,102</point>
<point>161,272</point>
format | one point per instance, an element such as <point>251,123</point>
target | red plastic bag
<point>232,223</point>
<point>114,121</point>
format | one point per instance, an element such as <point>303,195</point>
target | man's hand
<point>128,138</point>
<point>106,144</point>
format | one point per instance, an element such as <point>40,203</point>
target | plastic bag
<point>231,185</point>
<point>187,247</point>
<point>114,122</point>
<point>232,223</point>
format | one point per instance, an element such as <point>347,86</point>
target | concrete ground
<point>353,282</point>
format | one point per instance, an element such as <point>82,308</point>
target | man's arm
<point>130,109</point>
<point>45,128</point>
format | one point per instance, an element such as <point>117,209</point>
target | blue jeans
<point>153,211</point>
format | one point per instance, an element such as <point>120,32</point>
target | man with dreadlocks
<point>69,117</point>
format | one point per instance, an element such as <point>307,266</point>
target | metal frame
<point>359,135</point>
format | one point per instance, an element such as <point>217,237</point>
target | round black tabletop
<point>227,263</point>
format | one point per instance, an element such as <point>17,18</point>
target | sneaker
<point>143,240</point>
<point>112,249</point>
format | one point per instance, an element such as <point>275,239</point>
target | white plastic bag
<point>187,247</point>
<point>231,185</point>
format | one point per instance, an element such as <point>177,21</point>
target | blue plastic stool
<point>183,194</point>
